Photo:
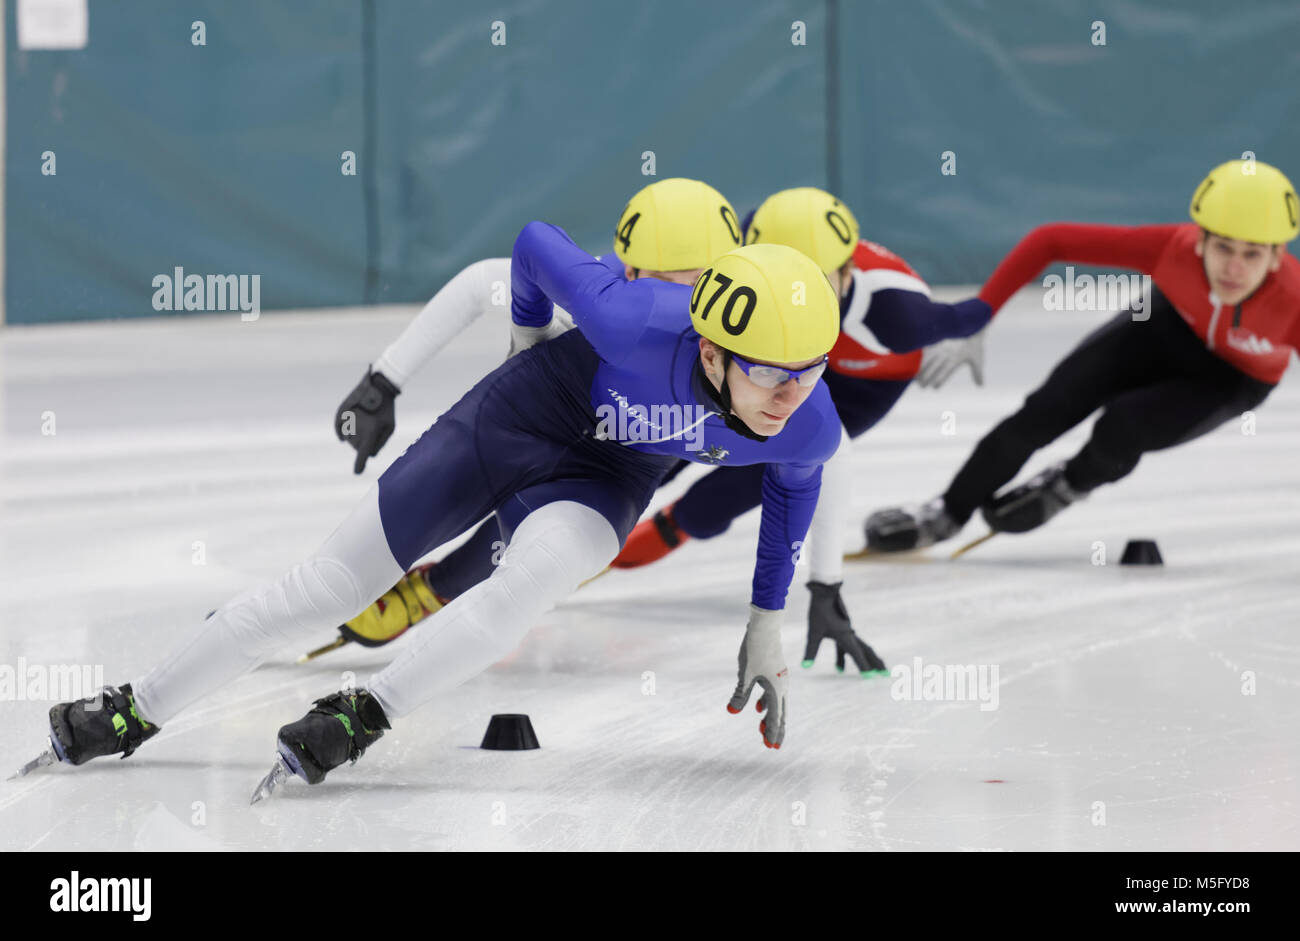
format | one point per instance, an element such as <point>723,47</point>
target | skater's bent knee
<point>560,545</point>
<point>318,593</point>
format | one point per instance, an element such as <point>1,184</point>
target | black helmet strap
<point>722,398</point>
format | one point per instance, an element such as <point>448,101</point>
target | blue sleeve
<point>908,320</point>
<point>789,498</point>
<point>547,268</point>
<point>792,481</point>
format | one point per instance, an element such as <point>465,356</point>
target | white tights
<point>553,550</point>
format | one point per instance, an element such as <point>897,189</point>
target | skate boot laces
<point>359,714</point>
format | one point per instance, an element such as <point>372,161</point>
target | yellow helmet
<point>809,219</point>
<point>767,302</point>
<point>675,225</point>
<point>1247,200</point>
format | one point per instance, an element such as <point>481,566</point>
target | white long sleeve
<point>826,554</point>
<point>475,289</point>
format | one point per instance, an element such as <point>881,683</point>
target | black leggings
<point>1157,386</point>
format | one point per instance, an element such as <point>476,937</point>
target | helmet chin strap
<point>722,397</point>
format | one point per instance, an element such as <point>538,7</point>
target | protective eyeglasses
<point>769,377</point>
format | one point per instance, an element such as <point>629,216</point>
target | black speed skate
<point>898,529</point>
<point>1032,504</point>
<point>105,724</point>
<point>338,728</point>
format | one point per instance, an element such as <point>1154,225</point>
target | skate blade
<point>973,543</point>
<point>44,759</point>
<point>335,644</point>
<point>903,555</point>
<point>279,773</point>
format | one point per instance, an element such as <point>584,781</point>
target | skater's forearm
<point>826,555</point>
<point>460,302</point>
<point>906,320</point>
<point>789,499</point>
<point>548,268</point>
<point>1111,246</point>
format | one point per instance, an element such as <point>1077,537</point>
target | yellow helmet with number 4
<point>675,225</point>
<point>767,302</point>
<point>809,219</point>
<point>1247,200</point>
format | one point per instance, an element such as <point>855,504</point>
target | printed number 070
<point>733,322</point>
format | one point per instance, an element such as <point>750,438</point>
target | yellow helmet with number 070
<point>1247,200</point>
<point>766,302</point>
<point>675,225</point>
<point>809,219</point>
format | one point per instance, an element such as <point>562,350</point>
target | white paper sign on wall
<point>53,24</point>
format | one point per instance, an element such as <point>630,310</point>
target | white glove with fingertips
<point>940,361</point>
<point>762,663</point>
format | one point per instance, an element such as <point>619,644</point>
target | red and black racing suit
<point>1193,364</point>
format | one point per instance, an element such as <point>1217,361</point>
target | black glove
<point>365,420</point>
<point>827,617</point>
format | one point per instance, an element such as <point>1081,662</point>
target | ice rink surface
<point>1137,709</point>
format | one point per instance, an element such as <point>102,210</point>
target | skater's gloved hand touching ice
<point>762,663</point>
<point>829,618</point>
<point>366,420</point>
<point>940,361</point>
